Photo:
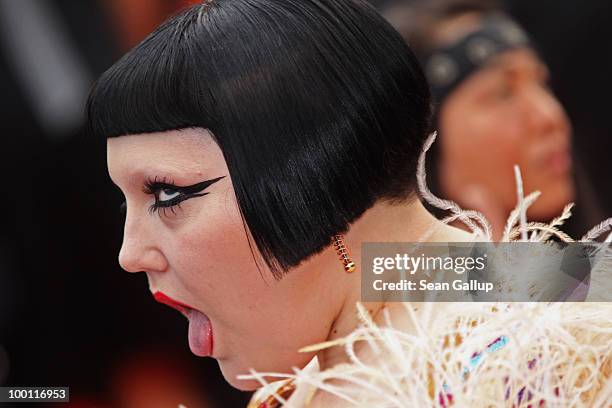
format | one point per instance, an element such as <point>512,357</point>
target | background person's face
<point>504,115</point>
<point>199,255</point>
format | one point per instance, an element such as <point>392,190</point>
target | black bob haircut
<point>319,107</point>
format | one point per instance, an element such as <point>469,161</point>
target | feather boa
<point>476,354</point>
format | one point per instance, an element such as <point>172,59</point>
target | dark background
<point>70,317</point>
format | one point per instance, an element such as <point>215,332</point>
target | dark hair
<point>319,107</point>
<point>418,20</point>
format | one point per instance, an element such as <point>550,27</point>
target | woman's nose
<point>546,113</point>
<point>139,252</point>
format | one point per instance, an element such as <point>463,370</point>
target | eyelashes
<point>168,195</point>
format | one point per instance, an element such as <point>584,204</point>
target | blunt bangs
<point>319,107</point>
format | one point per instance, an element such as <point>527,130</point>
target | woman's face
<point>197,254</point>
<point>504,115</point>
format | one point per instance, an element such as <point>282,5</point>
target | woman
<point>287,121</point>
<point>494,109</point>
<point>255,141</point>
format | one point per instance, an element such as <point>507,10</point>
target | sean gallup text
<point>423,285</point>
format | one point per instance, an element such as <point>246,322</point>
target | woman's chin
<point>232,369</point>
<point>244,385</point>
<point>553,199</point>
<point>231,372</point>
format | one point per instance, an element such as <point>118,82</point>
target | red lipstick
<point>200,328</point>
<point>168,301</point>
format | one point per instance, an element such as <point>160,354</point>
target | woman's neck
<point>409,222</point>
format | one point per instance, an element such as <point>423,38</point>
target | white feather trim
<point>559,353</point>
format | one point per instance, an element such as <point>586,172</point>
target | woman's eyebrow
<point>135,176</point>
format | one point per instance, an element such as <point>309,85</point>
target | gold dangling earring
<point>349,265</point>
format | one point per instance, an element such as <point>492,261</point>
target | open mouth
<point>200,328</point>
<point>559,161</point>
<point>175,304</point>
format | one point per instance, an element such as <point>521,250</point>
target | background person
<point>494,109</point>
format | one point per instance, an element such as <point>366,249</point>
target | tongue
<point>200,334</point>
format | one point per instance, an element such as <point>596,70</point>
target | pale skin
<point>199,254</point>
